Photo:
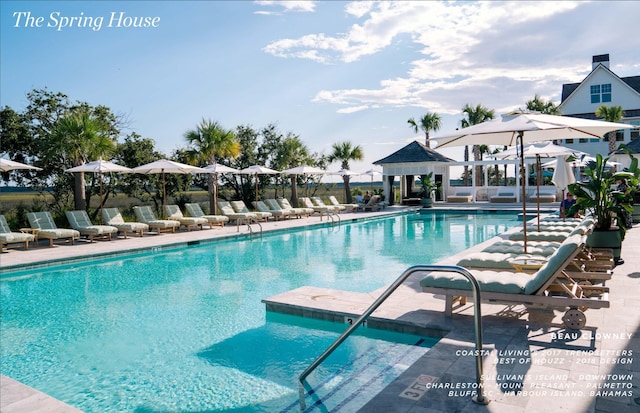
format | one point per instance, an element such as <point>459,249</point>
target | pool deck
<point>528,366</point>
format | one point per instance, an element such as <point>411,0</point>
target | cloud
<point>467,52</point>
<point>288,6</point>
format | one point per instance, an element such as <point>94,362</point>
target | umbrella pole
<point>215,194</point>
<point>164,195</point>
<point>524,200</point>
<point>100,198</point>
<point>538,186</point>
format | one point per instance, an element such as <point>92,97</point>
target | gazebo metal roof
<point>413,152</point>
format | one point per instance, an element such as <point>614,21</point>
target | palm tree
<point>78,136</point>
<point>610,114</point>
<point>209,140</point>
<point>475,116</point>
<point>540,105</point>
<point>294,153</point>
<point>429,122</point>
<point>345,152</point>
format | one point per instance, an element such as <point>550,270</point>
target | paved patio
<point>528,365</point>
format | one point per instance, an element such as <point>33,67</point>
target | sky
<point>327,71</point>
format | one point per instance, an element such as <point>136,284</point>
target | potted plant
<point>427,188</point>
<point>598,196</point>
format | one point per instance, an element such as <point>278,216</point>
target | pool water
<point>184,330</point>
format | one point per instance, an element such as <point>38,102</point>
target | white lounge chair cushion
<point>490,281</point>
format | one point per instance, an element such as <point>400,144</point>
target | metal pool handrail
<point>479,398</point>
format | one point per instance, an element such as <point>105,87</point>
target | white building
<point>602,87</point>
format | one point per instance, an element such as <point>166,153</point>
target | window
<point>601,93</point>
<point>635,133</point>
<point>595,93</point>
<point>606,92</point>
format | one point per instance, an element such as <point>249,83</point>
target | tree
<point>293,153</point>
<point>77,137</point>
<point>210,141</point>
<point>610,114</point>
<point>475,116</point>
<point>428,122</point>
<point>345,152</point>
<point>540,105</point>
<point>136,151</point>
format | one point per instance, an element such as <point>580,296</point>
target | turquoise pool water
<point>184,330</point>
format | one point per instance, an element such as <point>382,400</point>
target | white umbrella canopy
<point>216,169</point>
<point>258,170</point>
<point>544,150</point>
<point>344,172</point>
<point>526,127</point>
<point>163,166</point>
<point>563,174</point>
<point>100,166</point>
<point>372,173</point>
<point>7,165</point>
<point>304,170</point>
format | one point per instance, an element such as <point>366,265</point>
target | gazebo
<point>621,156</point>
<point>413,160</point>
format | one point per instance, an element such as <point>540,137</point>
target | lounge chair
<point>299,211</point>
<point>112,216</point>
<point>239,217</point>
<point>9,237</point>
<point>371,205</point>
<point>549,287</point>
<point>348,207</point>
<point>174,213</point>
<point>46,228</point>
<point>80,221</point>
<point>543,196</point>
<point>241,208</point>
<point>503,197</point>
<point>321,210</point>
<point>194,210</point>
<point>316,200</point>
<point>276,213</point>
<point>460,196</point>
<point>504,256</point>
<point>146,215</point>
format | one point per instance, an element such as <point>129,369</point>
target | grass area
<point>10,201</point>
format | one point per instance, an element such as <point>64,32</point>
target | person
<point>567,203</point>
<point>623,187</point>
<point>367,197</point>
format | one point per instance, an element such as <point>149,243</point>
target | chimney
<point>600,59</point>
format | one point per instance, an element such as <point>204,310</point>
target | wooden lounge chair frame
<point>113,217</point>
<point>47,228</point>
<point>79,220</point>
<point>194,210</point>
<point>557,290</point>
<point>174,213</point>
<point>144,211</point>
<point>10,237</point>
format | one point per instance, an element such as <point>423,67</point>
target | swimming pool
<point>183,329</point>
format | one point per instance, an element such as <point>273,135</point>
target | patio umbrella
<point>539,150</point>
<point>563,174</point>
<point>304,170</point>
<point>99,167</point>
<point>372,173</point>
<point>216,169</point>
<point>258,170</point>
<point>163,166</point>
<point>526,127</point>
<point>7,165</point>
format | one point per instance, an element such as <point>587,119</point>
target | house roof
<point>632,81</point>
<point>633,146</point>
<point>414,152</point>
